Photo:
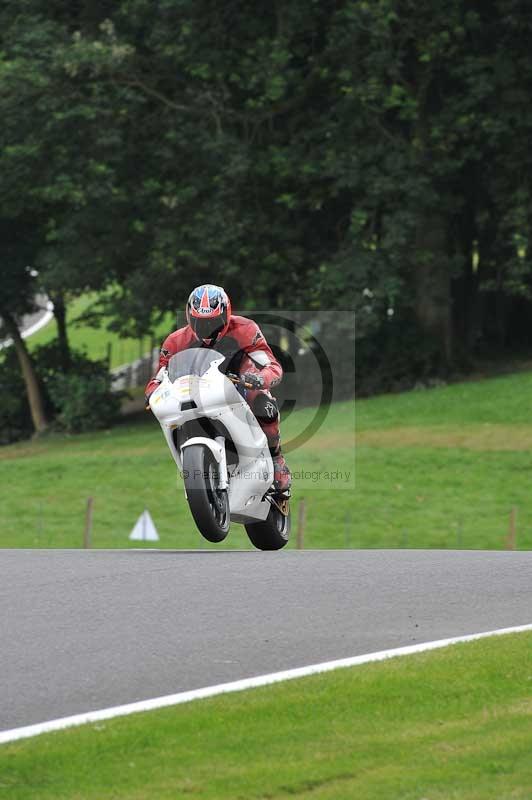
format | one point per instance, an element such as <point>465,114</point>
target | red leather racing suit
<point>243,336</point>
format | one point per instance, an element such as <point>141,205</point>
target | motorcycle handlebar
<point>239,380</point>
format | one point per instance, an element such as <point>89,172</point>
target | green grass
<point>97,341</point>
<point>46,484</point>
<point>505,400</point>
<point>436,468</point>
<point>448,725</point>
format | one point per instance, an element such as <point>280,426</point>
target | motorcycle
<point>220,450</point>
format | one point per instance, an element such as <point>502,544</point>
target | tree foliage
<point>311,153</point>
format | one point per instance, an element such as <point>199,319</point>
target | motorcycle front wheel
<point>208,504</point>
<point>273,533</point>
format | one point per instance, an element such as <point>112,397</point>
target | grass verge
<point>99,342</point>
<point>455,723</point>
<point>436,468</point>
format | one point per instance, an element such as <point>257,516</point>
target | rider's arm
<point>272,373</point>
<point>168,348</point>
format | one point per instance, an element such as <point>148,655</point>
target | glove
<point>255,381</point>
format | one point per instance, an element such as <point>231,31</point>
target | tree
<point>317,153</point>
<point>18,288</point>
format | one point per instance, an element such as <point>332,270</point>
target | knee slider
<point>265,408</point>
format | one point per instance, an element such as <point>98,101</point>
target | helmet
<point>208,312</point>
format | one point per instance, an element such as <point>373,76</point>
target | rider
<point>210,323</point>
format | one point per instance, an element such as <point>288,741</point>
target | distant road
<point>31,323</point>
<point>83,630</point>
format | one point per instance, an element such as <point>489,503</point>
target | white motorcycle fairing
<point>193,390</point>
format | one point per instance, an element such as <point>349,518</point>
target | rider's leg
<point>266,411</point>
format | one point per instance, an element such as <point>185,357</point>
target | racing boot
<point>282,477</point>
<point>281,473</point>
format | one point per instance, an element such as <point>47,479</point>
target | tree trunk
<point>433,285</point>
<point>500,312</point>
<point>60,317</point>
<point>432,279</point>
<point>466,301</point>
<point>35,396</point>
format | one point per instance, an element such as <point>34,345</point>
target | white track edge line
<point>238,686</point>
<point>41,323</point>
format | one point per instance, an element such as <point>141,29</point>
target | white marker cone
<point>144,530</point>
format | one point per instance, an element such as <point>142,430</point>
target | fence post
<point>347,530</point>
<point>40,524</point>
<point>301,516</point>
<point>511,539</point>
<point>87,533</point>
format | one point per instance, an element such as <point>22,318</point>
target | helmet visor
<point>208,327</point>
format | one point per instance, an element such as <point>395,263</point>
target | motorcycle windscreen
<point>195,361</point>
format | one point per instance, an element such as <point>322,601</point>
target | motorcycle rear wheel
<point>208,504</point>
<point>273,533</point>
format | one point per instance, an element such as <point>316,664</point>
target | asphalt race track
<point>84,630</point>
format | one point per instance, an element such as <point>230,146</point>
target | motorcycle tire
<point>208,504</point>
<point>273,533</point>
